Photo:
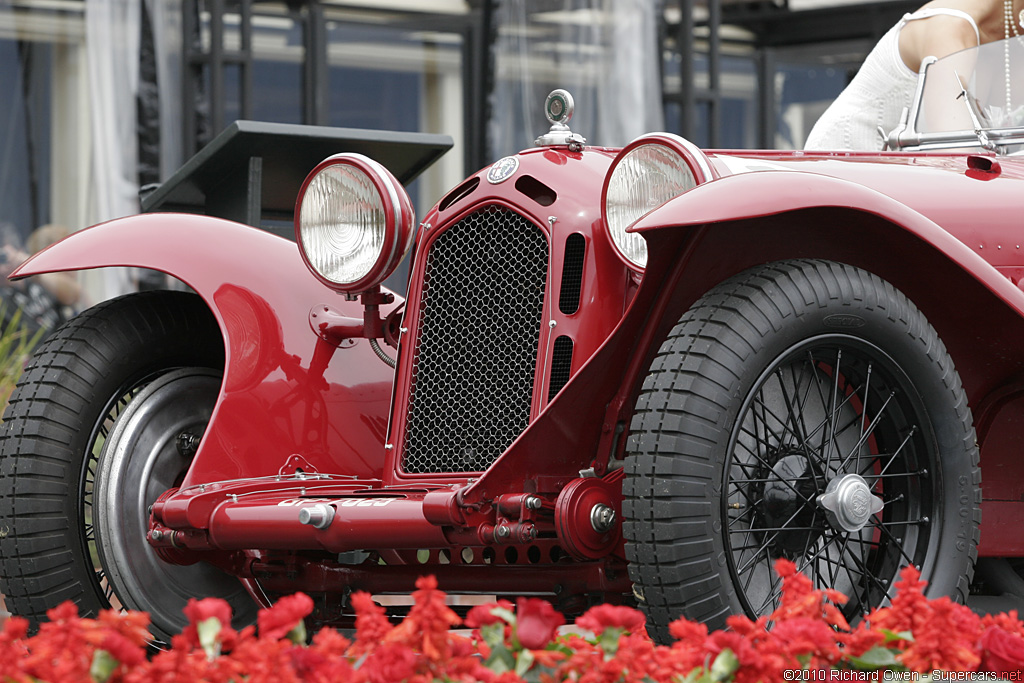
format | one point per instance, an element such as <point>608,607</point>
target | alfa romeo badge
<point>502,169</point>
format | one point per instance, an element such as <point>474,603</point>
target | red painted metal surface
<point>370,522</point>
<point>272,403</point>
<point>575,209</point>
<point>307,418</point>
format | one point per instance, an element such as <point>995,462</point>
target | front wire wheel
<point>801,410</point>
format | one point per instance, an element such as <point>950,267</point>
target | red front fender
<point>750,196</point>
<point>271,406</point>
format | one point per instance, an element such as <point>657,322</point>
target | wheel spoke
<point>864,409</point>
<point>906,440</point>
<point>834,413</point>
<point>791,424</point>
<point>774,592</point>
<point>775,535</point>
<point>893,541</point>
<point>865,572</point>
<point>845,566</point>
<point>867,434</point>
<point>799,408</point>
<point>748,511</point>
<point>781,480</point>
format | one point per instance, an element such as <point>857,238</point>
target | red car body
<point>307,418</point>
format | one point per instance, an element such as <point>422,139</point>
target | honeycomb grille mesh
<point>476,351</point>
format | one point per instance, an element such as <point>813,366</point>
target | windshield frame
<point>911,134</point>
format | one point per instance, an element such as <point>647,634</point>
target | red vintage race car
<point>638,374</point>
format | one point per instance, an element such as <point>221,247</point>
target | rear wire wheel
<point>803,410</point>
<point>62,414</point>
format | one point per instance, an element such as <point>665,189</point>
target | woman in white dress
<point>873,102</point>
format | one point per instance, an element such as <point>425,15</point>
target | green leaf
<point>501,660</point>
<point>699,674</point>
<point>890,636</point>
<point>523,662</point>
<point>493,634</point>
<point>298,634</point>
<point>609,640</point>
<point>103,665</point>
<point>505,614</point>
<point>209,630</point>
<point>724,666</point>
<point>877,657</point>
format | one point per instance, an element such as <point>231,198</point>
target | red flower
<point>861,640</point>
<point>805,636</point>
<point>132,625</point>
<point>199,611</point>
<point>287,613</point>
<point>330,643</point>
<point>390,662</point>
<point>946,639</point>
<point>1002,651</point>
<point>372,623</point>
<point>13,649</point>
<point>597,619</point>
<point>425,630</point>
<point>909,607</point>
<point>483,615</point>
<point>688,631</point>
<point>537,622</point>
<point>123,650</point>
<point>1008,621</point>
<point>800,599</point>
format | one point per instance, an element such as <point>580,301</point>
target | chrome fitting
<point>318,516</point>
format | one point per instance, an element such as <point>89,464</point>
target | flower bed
<point>809,640</point>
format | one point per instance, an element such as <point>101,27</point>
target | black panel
<point>561,365</point>
<point>572,274</point>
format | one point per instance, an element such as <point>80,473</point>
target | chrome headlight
<point>353,222</point>
<point>648,172</point>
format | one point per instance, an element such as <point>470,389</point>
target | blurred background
<point>104,97</point>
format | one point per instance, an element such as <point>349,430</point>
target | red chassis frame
<point>288,428</point>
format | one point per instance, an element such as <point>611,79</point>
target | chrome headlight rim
<point>694,159</point>
<point>393,202</point>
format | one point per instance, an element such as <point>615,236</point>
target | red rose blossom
<point>537,622</point>
<point>1002,651</point>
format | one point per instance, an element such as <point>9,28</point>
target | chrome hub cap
<point>848,503</point>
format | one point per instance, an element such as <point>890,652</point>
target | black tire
<point>754,405</point>
<point>58,419</point>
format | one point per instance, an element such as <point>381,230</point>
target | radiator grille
<point>476,350</point>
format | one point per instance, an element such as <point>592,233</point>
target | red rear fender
<point>271,406</point>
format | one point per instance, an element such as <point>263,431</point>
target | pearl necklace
<point>1008,23</point>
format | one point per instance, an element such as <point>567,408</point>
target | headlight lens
<point>648,173</point>
<point>353,222</point>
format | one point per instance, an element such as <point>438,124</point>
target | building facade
<point>106,97</point>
